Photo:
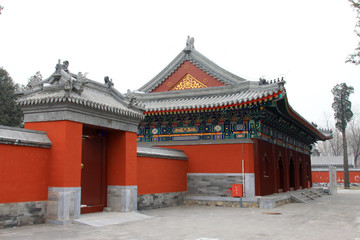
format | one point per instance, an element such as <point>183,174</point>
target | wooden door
<point>93,175</point>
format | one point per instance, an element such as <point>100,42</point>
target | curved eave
<point>82,102</point>
<point>208,108</point>
<point>285,109</point>
<point>101,87</point>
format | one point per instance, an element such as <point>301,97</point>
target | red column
<point>122,158</point>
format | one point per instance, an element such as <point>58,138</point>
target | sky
<point>306,42</point>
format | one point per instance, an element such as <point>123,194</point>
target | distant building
<point>320,170</point>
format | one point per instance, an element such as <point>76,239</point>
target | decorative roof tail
<point>189,44</point>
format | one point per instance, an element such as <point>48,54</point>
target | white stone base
<point>122,198</point>
<point>63,204</point>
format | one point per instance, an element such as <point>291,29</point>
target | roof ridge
<point>165,73</point>
<point>212,91</point>
<point>227,77</point>
<point>200,61</point>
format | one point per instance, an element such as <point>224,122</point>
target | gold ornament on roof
<point>188,82</point>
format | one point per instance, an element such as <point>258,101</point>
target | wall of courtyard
<point>321,176</point>
<point>213,168</point>
<point>161,177</point>
<point>24,162</point>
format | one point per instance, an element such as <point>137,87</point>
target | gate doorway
<point>291,174</point>
<point>301,179</point>
<point>93,173</point>
<point>280,175</point>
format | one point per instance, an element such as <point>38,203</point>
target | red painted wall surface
<point>267,181</point>
<point>219,158</point>
<point>159,175</point>
<point>23,173</point>
<point>65,155</point>
<point>323,177</point>
<point>187,67</point>
<point>122,158</point>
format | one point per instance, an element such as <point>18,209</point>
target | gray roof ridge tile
<point>222,99</point>
<point>215,70</point>
<point>165,73</point>
<point>23,137</point>
<point>44,97</point>
<point>200,61</point>
<point>200,92</point>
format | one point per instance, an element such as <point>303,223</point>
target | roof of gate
<point>65,87</point>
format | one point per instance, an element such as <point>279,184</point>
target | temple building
<point>227,126</point>
<point>195,132</point>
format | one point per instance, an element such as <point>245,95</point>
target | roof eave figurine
<point>189,44</point>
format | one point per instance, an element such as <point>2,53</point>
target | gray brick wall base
<point>217,184</point>
<point>22,213</point>
<point>160,200</point>
<point>221,203</point>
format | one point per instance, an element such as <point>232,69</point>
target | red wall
<point>323,177</point>
<point>219,158</point>
<point>270,183</point>
<point>65,154</point>
<point>188,67</point>
<point>159,175</point>
<point>121,158</point>
<point>23,173</point>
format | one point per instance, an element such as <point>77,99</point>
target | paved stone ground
<point>329,217</point>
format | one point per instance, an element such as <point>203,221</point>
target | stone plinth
<point>63,204</point>
<point>122,198</point>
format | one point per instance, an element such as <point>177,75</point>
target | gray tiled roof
<point>94,95</point>
<point>198,60</point>
<point>161,153</point>
<point>330,160</point>
<point>24,137</point>
<point>208,97</point>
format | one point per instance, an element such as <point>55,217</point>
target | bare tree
<point>336,146</point>
<point>355,57</point>
<point>332,147</point>
<point>33,81</point>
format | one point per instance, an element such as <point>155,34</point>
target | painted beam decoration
<point>220,124</point>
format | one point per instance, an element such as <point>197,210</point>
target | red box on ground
<point>237,190</point>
